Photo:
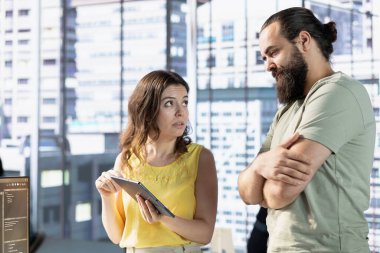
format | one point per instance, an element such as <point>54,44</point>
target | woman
<point>157,151</point>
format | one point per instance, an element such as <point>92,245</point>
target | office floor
<point>63,246</point>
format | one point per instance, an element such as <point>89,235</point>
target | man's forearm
<point>277,194</point>
<point>251,186</point>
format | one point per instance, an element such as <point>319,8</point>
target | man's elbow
<point>248,193</point>
<point>248,197</point>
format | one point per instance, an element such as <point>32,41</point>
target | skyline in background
<point>81,60</point>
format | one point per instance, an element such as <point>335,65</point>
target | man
<point>313,169</point>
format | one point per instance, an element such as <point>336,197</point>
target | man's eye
<point>273,53</point>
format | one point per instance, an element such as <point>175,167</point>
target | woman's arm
<point>112,208</point>
<point>201,228</point>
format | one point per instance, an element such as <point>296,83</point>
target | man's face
<point>285,62</point>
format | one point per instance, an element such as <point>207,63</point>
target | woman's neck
<point>160,153</point>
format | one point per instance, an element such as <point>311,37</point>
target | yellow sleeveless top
<point>174,186</point>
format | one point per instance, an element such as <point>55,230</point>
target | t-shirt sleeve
<point>331,117</point>
<point>268,139</point>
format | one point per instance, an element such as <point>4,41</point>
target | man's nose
<point>270,65</point>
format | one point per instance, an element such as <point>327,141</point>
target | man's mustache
<point>276,72</point>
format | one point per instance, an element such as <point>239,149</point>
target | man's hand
<point>282,164</point>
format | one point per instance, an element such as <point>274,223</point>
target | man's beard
<point>291,79</point>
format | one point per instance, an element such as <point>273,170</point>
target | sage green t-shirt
<point>328,216</point>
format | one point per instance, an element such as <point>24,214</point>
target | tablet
<point>134,187</point>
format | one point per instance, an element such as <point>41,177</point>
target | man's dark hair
<point>297,19</point>
<point>1,168</point>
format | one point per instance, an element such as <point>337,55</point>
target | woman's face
<point>173,115</point>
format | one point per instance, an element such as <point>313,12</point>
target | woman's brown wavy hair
<point>143,109</point>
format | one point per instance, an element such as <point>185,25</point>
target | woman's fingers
<point>148,211</point>
<point>153,211</point>
<point>112,184</point>
<point>140,202</point>
<point>144,209</point>
<point>105,184</point>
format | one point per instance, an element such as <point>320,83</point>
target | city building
<point>116,45</point>
<point>82,58</point>
<point>30,69</point>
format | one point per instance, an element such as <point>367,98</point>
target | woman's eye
<point>185,103</point>
<point>168,103</point>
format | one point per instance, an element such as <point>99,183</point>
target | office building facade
<point>108,45</point>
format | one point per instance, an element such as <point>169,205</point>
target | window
<point>369,43</point>
<point>48,119</point>
<point>23,12</point>
<point>375,202</point>
<point>23,30</point>
<point>211,61</point>
<point>51,214</point>
<point>8,43</point>
<point>7,120</point>
<point>49,62</point>
<point>22,119</point>
<point>228,32</point>
<point>230,59</point>
<point>23,81</point>
<point>83,212</point>
<point>9,14</point>
<point>8,101</point>
<point>375,173</point>
<point>200,32</point>
<point>23,42</point>
<point>8,64</point>
<point>51,178</point>
<point>376,111</point>
<point>230,81</point>
<point>259,59</point>
<point>49,101</point>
